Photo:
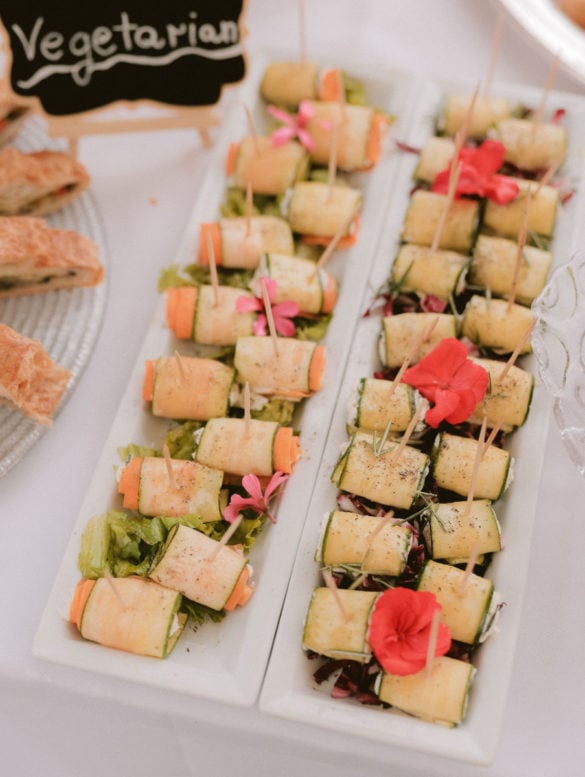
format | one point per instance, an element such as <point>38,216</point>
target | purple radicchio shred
<point>401,146</point>
<point>354,680</point>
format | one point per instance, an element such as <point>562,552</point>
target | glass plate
<point>559,346</point>
<point>67,322</point>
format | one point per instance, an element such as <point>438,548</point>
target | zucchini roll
<point>487,112</point>
<point>506,220</point>
<point>400,331</point>
<point>531,146</point>
<point>435,156</point>
<point>234,246</point>
<point>365,543</point>
<point>453,460</point>
<point>146,486</point>
<point>494,263</point>
<point>424,213</point>
<point>331,631</point>
<point>241,447</point>
<point>266,168</point>
<point>492,324</point>
<point>288,83</point>
<point>376,476</point>
<point>318,211</point>
<point>203,570</point>
<point>359,133</point>
<point>438,696</point>
<point>193,389</point>
<point>294,371</point>
<point>418,268</point>
<point>314,291</point>
<point>128,613</point>
<point>452,531</point>
<point>507,399</point>
<point>376,403</point>
<point>194,314</point>
<point>467,609</point>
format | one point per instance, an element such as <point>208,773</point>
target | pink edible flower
<point>294,126</point>
<point>282,312</point>
<point>256,500</point>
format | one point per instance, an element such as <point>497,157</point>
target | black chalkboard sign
<point>76,57</point>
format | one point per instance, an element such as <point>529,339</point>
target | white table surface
<point>60,722</point>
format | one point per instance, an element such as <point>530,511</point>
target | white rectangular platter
<point>289,690</point>
<point>227,661</point>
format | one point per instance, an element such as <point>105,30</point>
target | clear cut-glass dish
<point>559,346</point>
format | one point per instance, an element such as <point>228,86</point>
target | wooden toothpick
<point>495,49</point>
<point>330,583</point>
<point>332,245</point>
<point>269,316</point>
<point>492,436</point>
<point>433,635</point>
<point>213,269</point>
<point>539,113</point>
<point>169,464</point>
<point>550,172</point>
<point>422,338</point>
<point>332,166</point>
<point>516,353</point>
<point>397,453</point>
<point>471,562</point>
<point>181,368</point>
<point>453,178</point>
<point>247,413</point>
<point>520,251</point>
<point>252,128</point>
<point>479,454</point>
<point>221,543</point>
<point>302,32</point>
<point>113,585</point>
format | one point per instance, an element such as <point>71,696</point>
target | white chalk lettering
<point>192,29</point>
<point>148,38</point>
<point>29,45</point>
<point>125,27</point>
<point>100,39</point>
<point>51,46</point>
<point>174,32</point>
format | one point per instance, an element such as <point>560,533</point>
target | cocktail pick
<point>539,112</point>
<point>181,368</point>
<point>495,50</point>
<point>479,454</point>
<point>302,32</point>
<point>433,634</point>
<point>453,178</point>
<point>520,250</point>
<point>223,541</point>
<point>397,453</point>
<point>471,562</point>
<point>213,269</point>
<point>247,414</point>
<point>269,316</point>
<point>330,583</point>
<point>550,172</point>
<point>332,166</point>
<point>252,128</point>
<point>332,245</point>
<point>169,465</point>
<point>516,353</point>
<point>115,589</point>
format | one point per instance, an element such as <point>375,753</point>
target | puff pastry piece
<point>29,379</point>
<point>35,258</point>
<point>39,182</point>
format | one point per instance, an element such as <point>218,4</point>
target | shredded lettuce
<point>180,439</point>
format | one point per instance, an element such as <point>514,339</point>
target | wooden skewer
<point>422,338</point>
<point>463,131</point>
<point>116,591</point>
<point>397,453</point>
<point>302,32</point>
<point>252,129</point>
<point>330,583</point>
<point>269,316</point>
<point>247,414</point>
<point>520,251</point>
<point>479,454</point>
<point>181,368</point>
<point>454,177</point>
<point>538,114</point>
<point>550,172</point>
<point>225,538</point>
<point>492,436</point>
<point>433,634</point>
<point>249,205</point>
<point>342,103</point>
<point>496,42</point>
<point>471,562</point>
<point>521,343</point>
<point>328,252</point>
<point>378,528</point>
<point>213,269</point>
<point>169,463</point>
<point>332,167</point>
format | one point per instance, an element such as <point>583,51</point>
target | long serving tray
<point>289,690</point>
<point>226,661</point>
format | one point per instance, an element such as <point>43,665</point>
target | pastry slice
<point>29,379</point>
<point>35,258</point>
<point>39,182</point>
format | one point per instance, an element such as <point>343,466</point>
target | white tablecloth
<point>60,722</point>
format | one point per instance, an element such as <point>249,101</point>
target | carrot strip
<point>345,242</point>
<point>317,368</point>
<point>374,147</point>
<point>329,86</point>
<point>80,597</point>
<point>329,295</point>
<point>241,593</point>
<point>287,450</point>
<point>207,231</point>
<point>181,310</point>
<point>230,160</point>
<point>148,383</point>
<point>129,483</point>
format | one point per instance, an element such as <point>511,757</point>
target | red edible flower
<point>479,175</point>
<point>447,377</point>
<point>257,500</point>
<point>282,312</point>
<point>400,630</point>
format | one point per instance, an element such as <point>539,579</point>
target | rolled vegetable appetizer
<point>494,265</point>
<point>203,570</point>
<point>240,447</point>
<point>506,220</point>
<point>371,544</point>
<point>288,83</point>
<point>494,324</point>
<point>239,242</point>
<point>331,631</point>
<point>267,168</point>
<point>189,488</point>
<point>507,400</point>
<point>453,530</point>
<point>193,388</point>
<point>381,476</point>
<point>377,403</point>
<point>453,460</point>
<point>466,606</point>
<point>294,370</point>
<point>400,331</point>
<point>194,313</point>
<point>530,145</point>
<point>435,155</point>
<point>420,269</point>
<point>423,216</point>
<point>318,212</point>
<point>314,291</point>
<point>359,134</point>
<point>487,112</point>
<point>438,696</point>
<point>128,613</point>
